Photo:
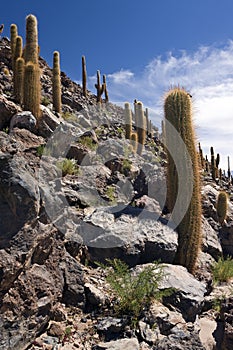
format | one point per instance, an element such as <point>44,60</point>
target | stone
<point>7,110</point>
<point>48,122</point>
<point>94,296</point>
<point>226,238</point>
<point>211,242</point>
<point>126,344</point>
<point>23,120</point>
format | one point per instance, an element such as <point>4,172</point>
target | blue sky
<point>144,47</point>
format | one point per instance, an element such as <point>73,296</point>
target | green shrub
<point>134,292</point>
<point>222,270</point>
<point>88,142</point>
<point>126,166</point>
<point>110,193</point>
<point>69,117</point>
<point>45,101</point>
<point>68,167</point>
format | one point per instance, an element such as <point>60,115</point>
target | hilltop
<point>73,193</point>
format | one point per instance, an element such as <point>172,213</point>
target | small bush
<point>134,292</point>
<point>222,270</point>
<point>88,142</point>
<point>45,101</point>
<point>68,167</point>
<point>126,166</point>
<point>69,117</point>
<point>110,193</point>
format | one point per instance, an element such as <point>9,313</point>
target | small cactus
<point>134,141</point>
<point>84,76</point>
<point>99,87</point>
<point>141,127</point>
<point>57,105</point>
<point>128,121</point>
<point>222,203</point>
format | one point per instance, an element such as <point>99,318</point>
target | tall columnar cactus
<point>32,90</point>
<point>147,121</point>
<point>201,156</point>
<point>105,89</point>
<point>19,80</point>
<point>228,168</point>
<point>84,76</point>
<point>213,164</point>
<point>207,166</point>
<point>178,113</point>
<point>99,87</point>
<point>31,51</point>
<point>141,129</point>
<point>14,33</point>
<point>17,54</point>
<point>222,204</point>
<point>134,141</point>
<point>57,105</point>
<point>128,121</point>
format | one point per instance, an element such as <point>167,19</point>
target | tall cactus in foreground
<point>32,93</point>
<point>222,203</point>
<point>128,121</point>
<point>141,127</point>
<point>31,47</point>
<point>14,34</point>
<point>84,76</point>
<point>178,113</point>
<point>56,82</point>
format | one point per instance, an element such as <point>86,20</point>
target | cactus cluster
<point>178,113</point>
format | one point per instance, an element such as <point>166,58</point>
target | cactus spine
<point>222,203</point>
<point>84,76</point>
<point>128,121</point>
<point>99,87</point>
<point>141,127</point>
<point>19,80</point>
<point>105,89</point>
<point>178,113</point>
<point>56,83</point>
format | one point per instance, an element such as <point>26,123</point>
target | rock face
<point>7,110</point>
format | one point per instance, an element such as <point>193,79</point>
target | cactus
<point>56,83</point>
<point>178,113</point>
<point>14,33</point>
<point>128,121</point>
<point>31,47</point>
<point>207,167</point>
<point>228,168</point>
<point>201,156</point>
<point>105,89</point>
<point>19,80</point>
<point>213,164</point>
<point>84,76</point>
<point>147,121</point>
<point>222,203</point>
<point>99,87</point>
<point>141,127</point>
<point>134,141</point>
<point>17,54</point>
<point>31,98</point>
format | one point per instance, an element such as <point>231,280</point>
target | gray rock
<point>48,122</point>
<point>126,344</point>
<point>188,295</point>
<point>211,242</point>
<point>94,296</point>
<point>130,234</point>
<point>7,110</point>
<point>226,238</point>
<point>23,120</point>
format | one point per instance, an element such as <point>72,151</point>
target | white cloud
<point>207,74</point>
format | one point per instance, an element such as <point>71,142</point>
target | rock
<point>226,238</point>
<point>207,328</point>
<point>211,242</point>
<point>188,295</point>
<point>147,334</point>
<point>94,296</point>
<point>148,204</point>
<point>130,234</point>
<point>209,199</point>
<point>19,196</point>
<point>110,326</point>
<point>48,122</point>
<point>78,152</point>
<point>7,110</point>
<point>56,330</point>
<point>126,344</point>
<point>23,120</point>
<point>73,293</point>
<point>25,139</point>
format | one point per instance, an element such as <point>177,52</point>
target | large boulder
<point>7,110</point>
<point>23,120</point>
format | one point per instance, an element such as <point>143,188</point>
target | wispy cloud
<point>207,74</point>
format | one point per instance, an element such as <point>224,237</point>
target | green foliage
<point>134,292</point>
<point>110,193</point>
<point>222,203</point>
<point>222,270</point>
<point>45,101</point>
<point>6,130</point>
<point>68,167</point>
<point>88,142</point>
<point>126,166</point>
<point>178,113</point>
<point>56,82</point>
<point>69,117</point>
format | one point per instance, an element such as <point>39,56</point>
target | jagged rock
<point>25,139</point>
<point>130,234</point>
<point>209,194</point>
<point>48,122</point>
<point>94,296</point>
<point>147,334</point>
<point>211,242</point>
<point>19,196</point>
<point>78,152</point>
<point>110,325</point>
<point>226,238</point>
<point>207,328</point>
<point>23,120</point>
<point>188,295</point>
<point>7,110</point>
<point>126,344</point>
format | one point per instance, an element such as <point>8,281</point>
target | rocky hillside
<point>72,194</point>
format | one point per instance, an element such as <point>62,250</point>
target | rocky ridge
<point>54,227</point>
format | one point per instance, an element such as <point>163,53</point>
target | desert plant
<point>31,91</point>
<point>19,80</point>
<point>213,164</point>
<point>221,206</point>
<point>128,121</point>
<point>56,82</point>
<point>134,291</point>
<point>88,142</point>
<point>31,48</point>
<point>68,167</point>
<point>178,114</point>
<point>222,270</point>
<point>84,76</point>
<point>45,101</point>
<point>105,89</point>
<point>99,87</point>
<point>69,117</point>
<point>141,127</point>
<point>14,33</point>
<point>134,141</point>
